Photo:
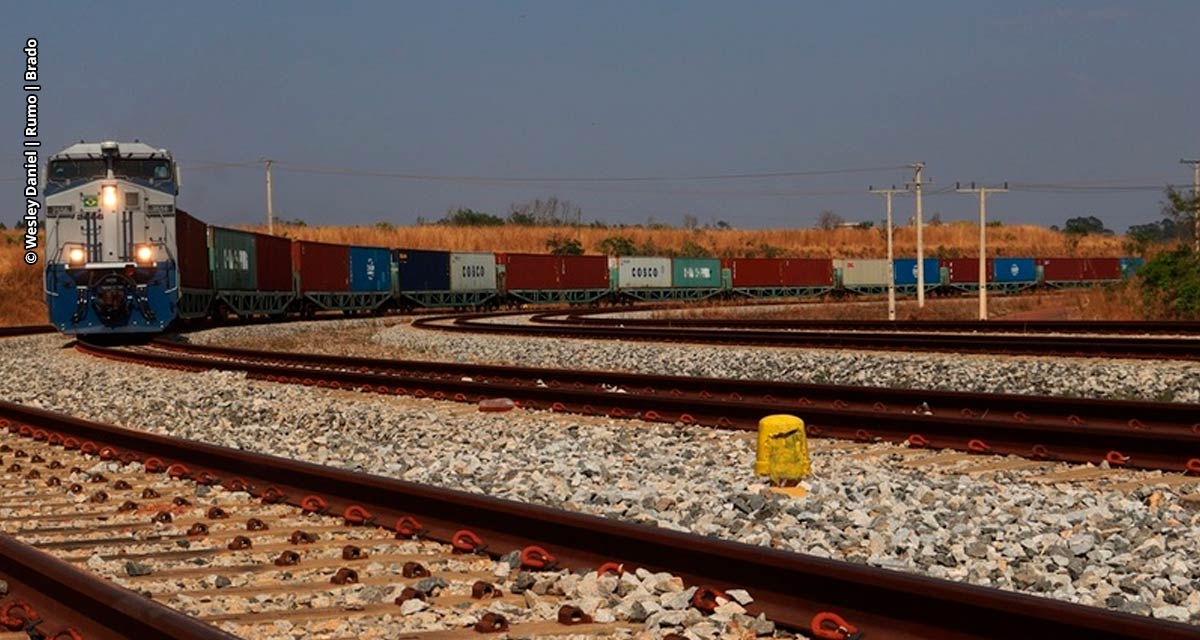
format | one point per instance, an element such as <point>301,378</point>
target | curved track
<point>792,589</point>
<point>1146,435</point>
<point>1033,344</point>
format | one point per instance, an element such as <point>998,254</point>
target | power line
<point>531,179</point>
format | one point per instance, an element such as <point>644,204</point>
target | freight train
<point>122,258</point>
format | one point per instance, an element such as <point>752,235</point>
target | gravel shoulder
<point>1125,551</point>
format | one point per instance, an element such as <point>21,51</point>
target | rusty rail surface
<point>599,318</point>
<point>53,600</point>
<point>792,589</point>
<point>1147,435</point>
<point>1101,346</point>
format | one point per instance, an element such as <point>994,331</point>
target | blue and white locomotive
<point>110,238</point>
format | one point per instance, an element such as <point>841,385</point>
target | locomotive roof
<point>134,149</point>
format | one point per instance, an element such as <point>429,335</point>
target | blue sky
<point>1063,93</point>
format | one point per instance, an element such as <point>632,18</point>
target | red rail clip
<point>537,558</point>
<point>313,504</point>
<point>831,626</point>
<point>611,567</point>
<point>466,541</point>
<point>355,514</point>
<point>978,446</point>
<point>1116,458</point>
<point>918,441</point>
<point>409,527</point>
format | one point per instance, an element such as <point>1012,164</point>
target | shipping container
<point>644,273</point>
<point>1061,269</point>
<point>370,269</point>
<point>1014,270</point>
<point>539,272</point>
<point>1102,268</point>
<point>966,270</point>
<point>274,257</point>
<point>322,267</point>
<point>422,270</point>
<point>529,271</point>
<point>191,251</point>
<point>472,272</point>
<point>583,272</point>
<point>1129,266</point>
<point>747,273</point>
<point>906,271</point>
<point>233,262</point>
<point>863,272</point>
<point>696,273</point>
<point>1080,269</point>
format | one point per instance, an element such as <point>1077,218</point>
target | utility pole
<point>270,208</point>
<point>983,194</point>
<point>887,195</point>
<point>917,167</point>
<point>1195,200</point>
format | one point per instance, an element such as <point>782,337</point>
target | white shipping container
<point>859,273</point>
<point>645,273</point>
<point>472,272</point>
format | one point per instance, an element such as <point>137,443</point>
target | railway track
<point>1027,327</point>
<point>1143,435</point>
<point>102,511</point>
<point>1085,346</point>
<point>26,330</point>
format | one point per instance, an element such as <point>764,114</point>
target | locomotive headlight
<point>144,254</point>
<point>76,256</point>
<point>108,196</point>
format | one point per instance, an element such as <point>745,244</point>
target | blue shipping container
<point>1130,265</point>
<point>422,270</point>
<point>906,272</point>
<point>370,269</point>
<point>1014,270</point>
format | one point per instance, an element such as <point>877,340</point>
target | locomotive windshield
<point>145,169</point>
<point>66,170</point>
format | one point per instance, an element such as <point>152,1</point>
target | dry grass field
<point>947,240</point>
<point>21,299</point>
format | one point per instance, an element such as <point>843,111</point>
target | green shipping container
<point>696,273</point>
<point>233,259</point>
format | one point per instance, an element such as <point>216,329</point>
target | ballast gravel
<point>1130,551</point>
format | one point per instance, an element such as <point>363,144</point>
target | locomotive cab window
<point>145,169</point>
<point>66,170</point>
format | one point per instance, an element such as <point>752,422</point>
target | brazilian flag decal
<point>91,202</point>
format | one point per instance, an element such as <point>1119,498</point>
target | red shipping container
<point>538,272</point>
<point>528,271</point>
<point>1063,269</point>
<point>322,267</point>
<point>191,251</point>
<point>583,272</point>
<point>966,270</point>
<point>274,262</point>
<point>1102,269</point>
<point>780,272</point>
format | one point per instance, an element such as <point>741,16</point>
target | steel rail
<point>66,600</point>
<point>790,588</point>
<point>598,318</point>
<point>1169,443</point>
<point>26,330</point>
<point>1033,345</point>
